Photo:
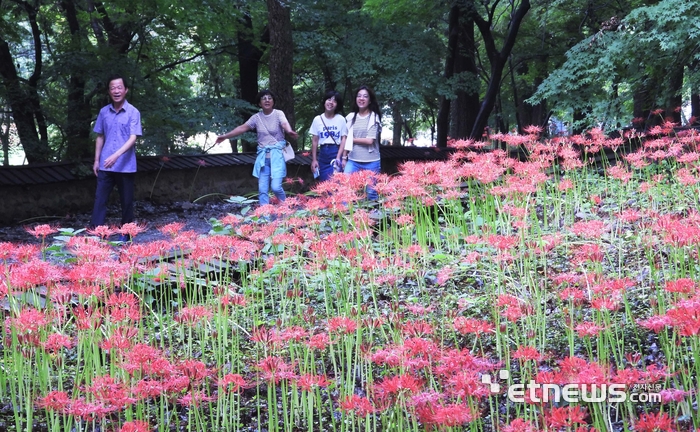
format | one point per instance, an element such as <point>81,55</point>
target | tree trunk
<point>281,58</point>
<point>26,107</point>
<point>443,118</point>
<point>498,61</point>
<point>249,56</point>
<point>78,115</point>
<point>466,106</point>
<point>398,125</point>
<point>674,100</point>
<point>5,138</point>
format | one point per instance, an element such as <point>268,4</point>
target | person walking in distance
<point>118,125</point>
<point>328,133</point>
<point>270,125</point>
<point>361,149</point>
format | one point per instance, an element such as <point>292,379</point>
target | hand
<point>110,161</point>
<point>293,134</point>
<point>96,167</point>
<point>220,139</point>
<point>343,163</point>
<point>314,165</point>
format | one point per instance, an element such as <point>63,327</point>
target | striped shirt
<point>268,127</point>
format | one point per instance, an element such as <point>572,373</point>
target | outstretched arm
<point>234,133</point>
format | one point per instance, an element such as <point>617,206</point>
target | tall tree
<point>22,93</point>
<point>281,58</point>
<point>497,58</point>
<point>631,67</point>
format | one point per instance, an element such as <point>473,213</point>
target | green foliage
<point>602,72</point>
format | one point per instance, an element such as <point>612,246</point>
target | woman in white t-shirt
<point>361,151</point>
<point>270,125</point>
<point>328,132</point>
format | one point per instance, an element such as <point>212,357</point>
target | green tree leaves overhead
<point>607,72</point>
<point>196,67</point>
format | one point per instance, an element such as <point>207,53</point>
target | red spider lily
<point>444,416</point>
<point>466,383</point>
<point>577,296</point>
<point>275,369</point>
<point>588,252</point>
<point>685,316</point>
<point>195,370</point>
<point>566,416</point>
<point>27,326</point>
<point>588,329</point>
<point>519,425</point>
<point>135,426</point>
<point>472,325</point>
<point>654,373</point>
<point>41,231</point>
<point>54,401</point>
<point>123,306</point>
<point>32,273</point>
<point>628,376</point>
<point>526,353</point>
<point>655,323</point>
<point>619,172</point>
<point>318,341</point>
<point>132,229</point>
<point>416,328</point>
<point>308,382</point>
<point>659,422</point>
<point>502,242</point>
<point>102,231</point>
<point>87,319</point>
<point>673,395</point>
<point>105,273</point>
<point>589,229</point>
<point>232,383</point>
<point>192,315</point>
<point>444,275</point>
<point>233,300</point>
<point>342,325</point>
<point>686,177</point>
<point>147,389</point>
<point>629,215</point>
<point>90,249</point>
<point>121,340</point>
<point>172,229</point>
<point>295,333</point>
<point>55,341</point>
<point>358,405</point>
<point>176,384</point>
<point>195,398</point>
<point>111,394</point>
<point>265,336</point>
<point>399,384</point>
<point>147,361</point>
<point>684,286</point>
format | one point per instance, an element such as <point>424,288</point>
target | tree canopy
<point>450,67</point>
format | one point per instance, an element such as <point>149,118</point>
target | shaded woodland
<point>456,69</point>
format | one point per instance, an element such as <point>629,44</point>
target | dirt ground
<point>195,216</point>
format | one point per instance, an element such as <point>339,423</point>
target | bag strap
<point>324,125</point>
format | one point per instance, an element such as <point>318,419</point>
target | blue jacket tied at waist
<point>278,166</point>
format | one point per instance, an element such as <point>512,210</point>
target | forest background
<point>451,68</point>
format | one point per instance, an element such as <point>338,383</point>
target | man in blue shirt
<point>117,127</point>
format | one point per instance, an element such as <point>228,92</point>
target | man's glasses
<point>266,98</point>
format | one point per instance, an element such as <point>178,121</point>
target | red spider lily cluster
<point>321,313</point>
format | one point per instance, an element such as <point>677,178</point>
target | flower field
<point>483,293</point>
